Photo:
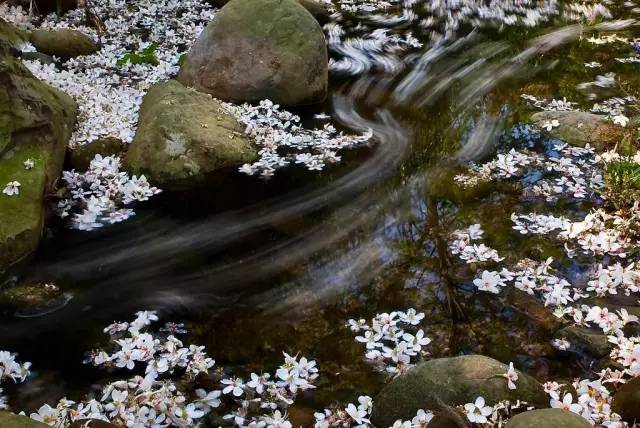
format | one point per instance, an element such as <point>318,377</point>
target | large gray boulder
<point>260,49</point>
<point>320,11</point>
<point>579,128</point>
<point>36,121</point>
<point>183,136</point>
<point>548,418</point>
<point>451,382</point>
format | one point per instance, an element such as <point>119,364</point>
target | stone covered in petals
<point>453,381</point>
<point>580,128</point>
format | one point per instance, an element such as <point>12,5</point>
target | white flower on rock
<point>489,281</point>
<point>477,412</point>
<point>12,188</point>
<point>358,414</point>
<point>29,164</point>
<point>566,404</point>
<point>512,377</point>
<point>421,419</point>
<point>561,344</point>
<point>550,124</point>
<point>620,119</point>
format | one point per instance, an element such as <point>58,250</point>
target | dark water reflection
<point>255,268</point>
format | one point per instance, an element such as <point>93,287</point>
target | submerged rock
<point>593,341</point>
<point>580,128</point>
<point>548,418</point>
<point>9,420</point>
<point>626,401</point>
<point>63,42</point>
<point>36,121</point>
<point>451,381</point>
<point>534,309</point>
<point>184,135</point>
<point>260,49</point>
<point>31,299</point>
<point>81,156</point>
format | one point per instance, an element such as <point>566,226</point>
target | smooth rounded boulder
<point>183,136</point>
<point>626,401</point>
<point>63,42</point>
<point>452,382</point>
<point>320,11</point>
<point>260,49</point>
<point>548,418</point>
<point>580,128</point>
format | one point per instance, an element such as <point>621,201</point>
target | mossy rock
<point>9,420</point>
<point>29,297</point>
<point>80,158</point>
<point>579,128</point>
<point>452,382</point>
<point>591,340</point>
<point>260,49</point>
<point>548,418</point>
<point>183,136</point>
<point>626,401</point>
<point>11,36</point>
<point>63,42</point>
<point>36,121</point>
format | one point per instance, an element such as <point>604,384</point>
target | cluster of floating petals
<point>100,195</point>
<point>283,140</point>
<point>392,340</point>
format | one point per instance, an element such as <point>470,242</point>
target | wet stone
<point>579,128</point>
<point>548,418</point>
<point>451,381</point>
<point>591,340</point>
<point>626,401</point>
<point>29,298</point>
